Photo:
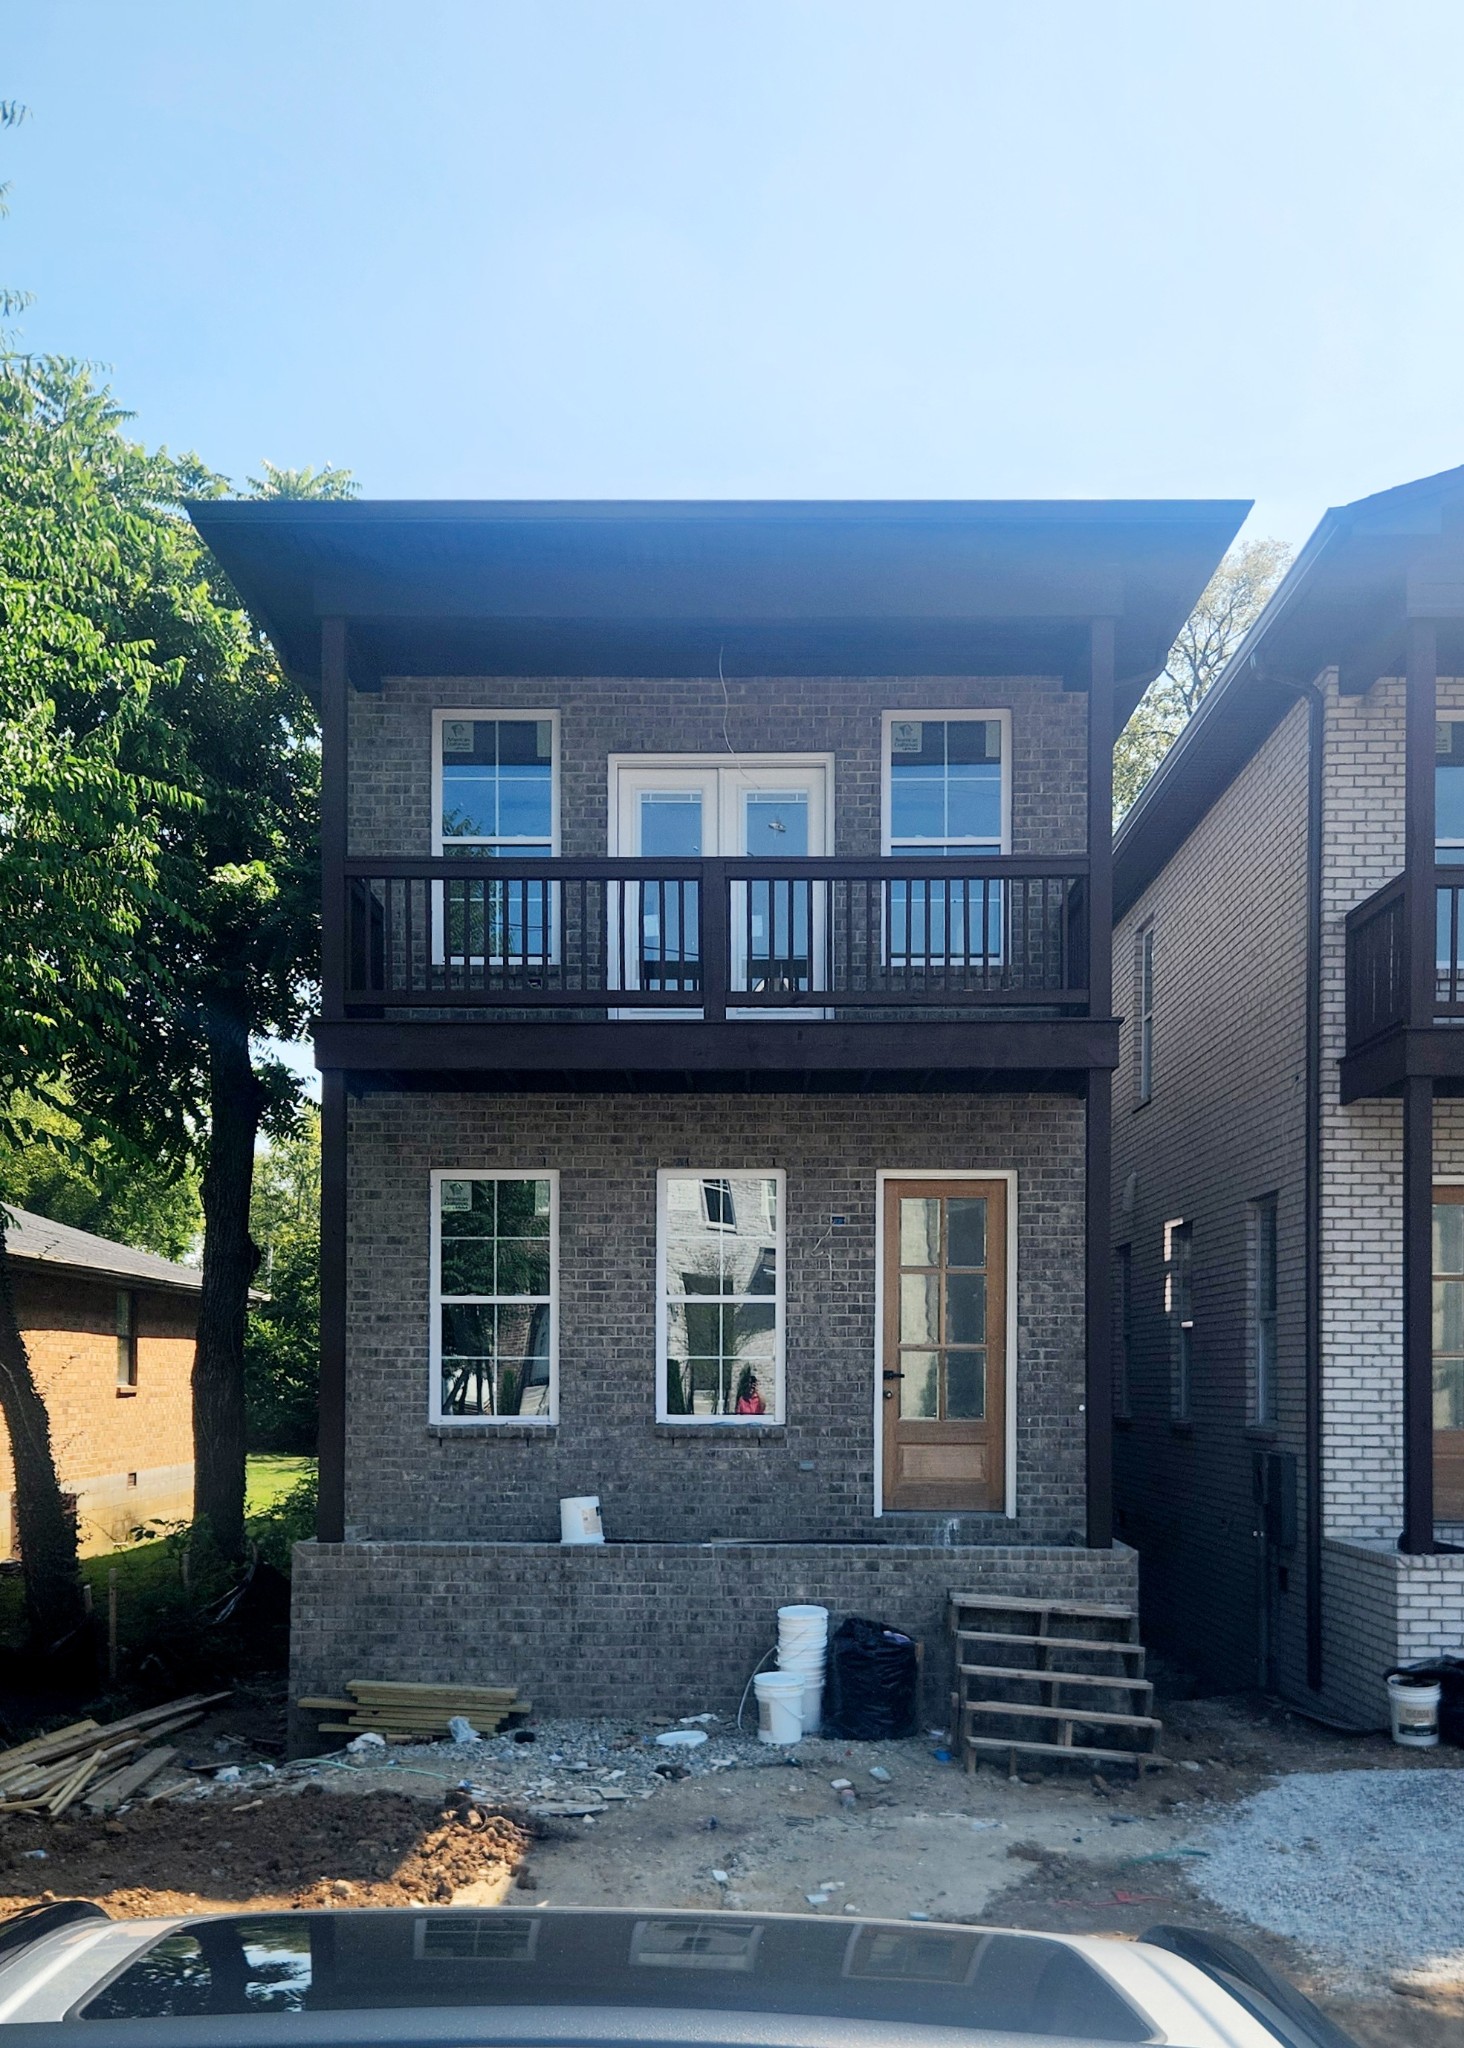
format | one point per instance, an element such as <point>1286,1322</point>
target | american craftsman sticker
<point>904,735</point>
<point>457,1195</point>
<point>457,735</point>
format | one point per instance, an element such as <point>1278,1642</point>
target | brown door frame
<point>1448,1457</point>
<point>1001,1401</point>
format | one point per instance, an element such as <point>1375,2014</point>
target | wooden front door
<point>1448,1353</point>
<point>943,1360</point>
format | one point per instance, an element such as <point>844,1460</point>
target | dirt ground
<point>1073,1852</point>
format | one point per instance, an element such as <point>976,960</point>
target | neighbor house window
<point>1145,965</point>
<point>496,798</point>
<point>494,1255</point>
<point>719,1255</point>
<point>126,1339</point>
<point>947,793</point>
<point>1179,1309</point>
<point>1264,1291</point>
<point>1123,1330</point>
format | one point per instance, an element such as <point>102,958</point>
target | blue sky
<point>758,247</point>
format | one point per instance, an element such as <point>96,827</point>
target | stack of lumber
<point>100,1765</point>
<point>381,1707</point>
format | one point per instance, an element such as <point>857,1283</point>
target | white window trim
<point>1447,718</point>
<point>441,844</point>
<point>691,763</point>
<point>1003,719</point>
<point>665,1175</point>
<point>434,1329</point>
<point>1002,1173</point>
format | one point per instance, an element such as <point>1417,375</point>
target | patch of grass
<point>270,1476</point>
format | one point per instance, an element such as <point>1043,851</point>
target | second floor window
<point>1179,1311</point>
<point>1146,1012</point>
<point>947,787</point>
<point>1449,791</point>
<point>496,777</point>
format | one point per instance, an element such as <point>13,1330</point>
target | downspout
<point>1316,732</point>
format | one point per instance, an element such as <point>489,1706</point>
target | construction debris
<point>101,1764</point>
<point>381,1707</point>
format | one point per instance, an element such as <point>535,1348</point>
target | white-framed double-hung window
<point>494,1336</point>
<point>947,793</point>
<point>719,1309</point>
<point>495,796</point>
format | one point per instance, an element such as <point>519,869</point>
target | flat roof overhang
<point>663,589</point>
<point>660,1056</point>
<point>1432,1052</point>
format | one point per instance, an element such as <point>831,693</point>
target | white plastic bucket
<point>1414,1704</point>
<point>812,1708</point>
<point>802,1627</point>
<point>579,1519</point>
<point>779,1706</point>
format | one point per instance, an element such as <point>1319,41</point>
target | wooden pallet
<point>1046,1647</point>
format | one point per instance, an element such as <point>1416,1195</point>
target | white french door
<point>695,809</point>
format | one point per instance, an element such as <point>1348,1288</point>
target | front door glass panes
<point>720,1241</point>
<point>670,827</point>
<point>495,1259</point>
<point>945,798</point>
<point>1448,1315</point>
<point>942,1333</point>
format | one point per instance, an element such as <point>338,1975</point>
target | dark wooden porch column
<point>1419,858</point>
<point>1098,1276</point>
<point>331,1512</point>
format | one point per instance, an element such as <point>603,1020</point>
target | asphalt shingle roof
<point>58,1244</point>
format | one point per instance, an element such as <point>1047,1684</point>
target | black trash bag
<point>872,1683</point>
<point>1449,1671</point>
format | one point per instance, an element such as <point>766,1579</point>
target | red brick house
<point>110,1332</point>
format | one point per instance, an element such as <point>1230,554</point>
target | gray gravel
<point>1364,1868</point>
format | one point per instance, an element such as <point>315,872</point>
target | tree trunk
<point>230,1261</point>
<point>47,1533</point>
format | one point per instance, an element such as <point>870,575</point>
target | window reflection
<point>720,1246</point>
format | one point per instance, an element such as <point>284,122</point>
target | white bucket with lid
<point>1414,1705</point>
<point>779,1706</point>
<point>579,1519</point>
<point>800,1625</point>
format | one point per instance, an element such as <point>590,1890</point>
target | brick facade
<point>127,1457</point>
<point>1226,1125</point>
<point>636,1628</point>
<point>812,1478</point>
<point>390,761</point>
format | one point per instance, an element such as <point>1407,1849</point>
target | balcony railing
<point>701,937</point>
<point>1377,958</point>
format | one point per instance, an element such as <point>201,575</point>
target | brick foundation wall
<point>1384,1609</point>
<point>98,1435</point>
<point>390,746</point>
<point>812,1478</point>
<point>636,1628</point>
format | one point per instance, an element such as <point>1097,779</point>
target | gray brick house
<point>716,1037</point>
<point>1288,1156</point>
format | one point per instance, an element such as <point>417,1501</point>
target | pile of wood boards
<point>101,1766</point>
<point>381,1707</point>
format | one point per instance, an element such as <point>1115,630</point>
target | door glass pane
<point>965,1308</point>
<point>919,1231</point>
<point>966,1385</point>
<point>1448,1401</point>
<point>775,823</point>
<point>670,824</point>
<point>967,1225</point>
<point>1448,1237</point>
<point>1449,784</point>
<point>1448,1316</point>
<point>920,1388</point>
<point>919,1308</point>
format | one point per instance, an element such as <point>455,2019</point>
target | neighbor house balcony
<point>977,963</point>
<point>1399,1024</point>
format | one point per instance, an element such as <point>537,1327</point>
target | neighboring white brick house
<point>1215,859</point>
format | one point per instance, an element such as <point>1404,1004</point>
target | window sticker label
<point>457,736</point>
<point>457,1195</point>
<point>905,737</point>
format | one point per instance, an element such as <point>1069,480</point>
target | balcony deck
<point>863,972</point>
<point>1387,1042</point>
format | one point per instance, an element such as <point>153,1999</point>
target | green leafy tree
<point>81,856</point>
<point>1229,606</point>
<point>89,1180</point>
<point>282,1347</point>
